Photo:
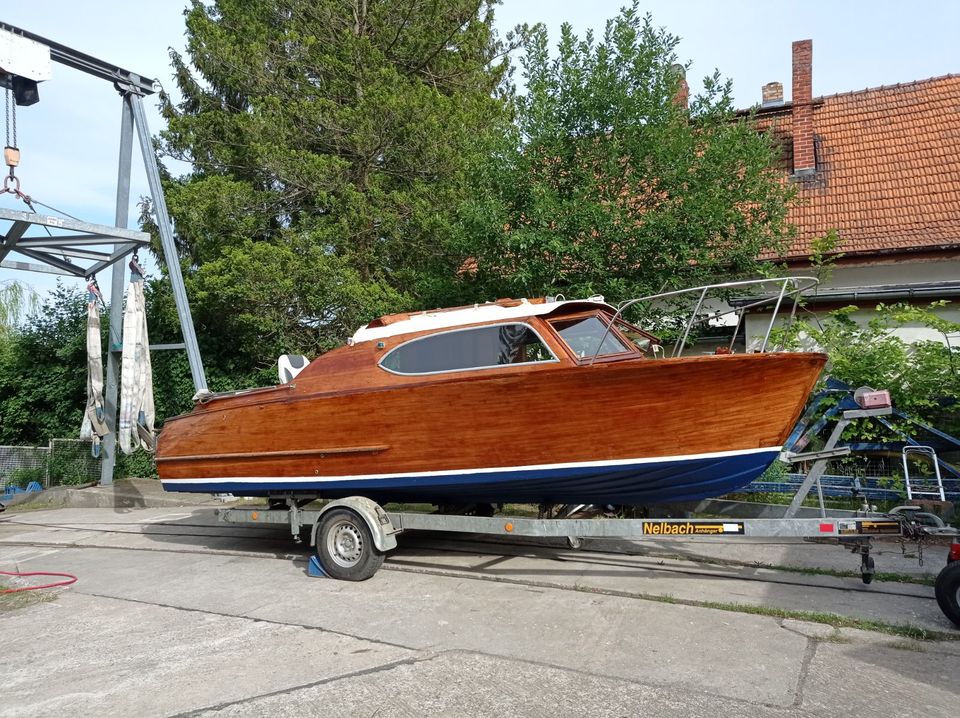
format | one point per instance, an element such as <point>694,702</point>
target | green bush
<point>23,476</point>
<point>69,468</point>
<point>139,465</point>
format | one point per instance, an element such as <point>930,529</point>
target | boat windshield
<point>640,338</point>
<point>583,335</point>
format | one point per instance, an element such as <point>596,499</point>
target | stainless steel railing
<point>780,289</point>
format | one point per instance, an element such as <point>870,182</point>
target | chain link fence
<point>21,464</point>
<point>62,461</point>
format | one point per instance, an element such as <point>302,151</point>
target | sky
<point>69,140</point>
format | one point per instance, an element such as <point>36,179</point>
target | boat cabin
<point>539,333</point>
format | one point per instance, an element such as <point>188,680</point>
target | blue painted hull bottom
<point>627,482</point>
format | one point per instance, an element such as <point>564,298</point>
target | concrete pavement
<point>174,614</point>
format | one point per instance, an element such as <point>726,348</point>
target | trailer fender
<point>377,520</point>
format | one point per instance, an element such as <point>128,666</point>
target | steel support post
<point>813,477</point>
<point>108,459</point>
<point>169,248</point>
<point>820,465</point>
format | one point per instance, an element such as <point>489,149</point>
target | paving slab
<point>83,655</point>
<point>470,685</point>
<point>609,635</point>
<point>892,603</point>
<point>871,679</point>
<point>917,608</point>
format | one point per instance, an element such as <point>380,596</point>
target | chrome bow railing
<point>787,289</point>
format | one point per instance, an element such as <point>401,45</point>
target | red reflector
<point>826,528</point>
<point>955,552</point>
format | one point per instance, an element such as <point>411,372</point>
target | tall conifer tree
<point>327,141</point>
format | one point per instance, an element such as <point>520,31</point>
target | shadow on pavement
<point>447,552</point>
<point>127,497</point>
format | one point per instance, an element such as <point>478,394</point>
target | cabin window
<point>462,349</point>
<point>583,336</point>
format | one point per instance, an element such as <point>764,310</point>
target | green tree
<point>607,182</point>
<point>328,142</point>
<point>16,301</point>
<point>43,378</point>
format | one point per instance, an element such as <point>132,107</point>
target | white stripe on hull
<point>462,472</point>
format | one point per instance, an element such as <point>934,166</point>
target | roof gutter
<point>892,292</point>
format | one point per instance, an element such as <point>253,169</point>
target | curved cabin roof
<point>501,310</point>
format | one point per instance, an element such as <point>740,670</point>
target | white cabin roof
<point>477,314</point>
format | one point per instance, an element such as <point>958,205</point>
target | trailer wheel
<point>345,546</point>
<point>947,589</point>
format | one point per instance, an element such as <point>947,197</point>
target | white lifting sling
<point>94,428</point>
<point>136,376</point>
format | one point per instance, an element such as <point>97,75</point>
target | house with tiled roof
<point>881,168</point>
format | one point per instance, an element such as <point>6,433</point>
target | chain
<point>10,111</point>
<point>11,154</point>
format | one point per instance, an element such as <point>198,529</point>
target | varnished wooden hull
<point>638,431</point>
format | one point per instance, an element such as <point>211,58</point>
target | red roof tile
<point>888,168</point>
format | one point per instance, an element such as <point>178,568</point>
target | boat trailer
<point>352,535</point>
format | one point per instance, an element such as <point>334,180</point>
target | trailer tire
<point>345,546</point>
<point>947,589</point>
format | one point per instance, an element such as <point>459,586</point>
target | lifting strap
<point>94,428</point>
<point>136,376</point>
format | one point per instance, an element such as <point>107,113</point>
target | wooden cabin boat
<point>533,401</point>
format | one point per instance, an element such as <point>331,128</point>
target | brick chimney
<point>682,98</point>
<point>804,161</point>
<point>772,94</point>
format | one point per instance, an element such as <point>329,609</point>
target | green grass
<point>887,576</point>
<point>14,601</point>
<point>830,619</point>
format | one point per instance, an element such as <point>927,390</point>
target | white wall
<point>862,276</point>
<point>891,273</point>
